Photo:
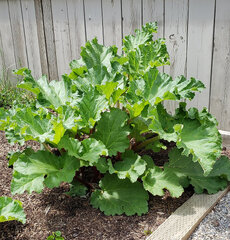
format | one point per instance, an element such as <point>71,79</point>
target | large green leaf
<point>55,93</point>
<point>94,54</point>
<point>132,166</point>
<point>184,166</point>
<point>34,127</point>
<point>90,107</point>
<point>88,150</point>
<point>113,131</point>
<point>156,87</point>
<point>11,210</point>
<point>120,196</point>
<point>156,180</point>
<point>31,171</point>
<point>195,132</point>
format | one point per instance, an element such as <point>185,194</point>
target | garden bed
<point>74,217</point>
<point>53,210</point>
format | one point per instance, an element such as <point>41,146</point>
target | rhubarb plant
<point>96,125</point>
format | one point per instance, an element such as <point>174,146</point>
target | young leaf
<point>88,150</point>
<point>11,210</point>
<point>120,196</point>
<point>142,37</point>
<point>131,166</point>
<point>77,189</point>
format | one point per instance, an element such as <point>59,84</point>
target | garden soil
<point>53,210</point>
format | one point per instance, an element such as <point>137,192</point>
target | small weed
<point>147,232</point>
<point>55,236</point>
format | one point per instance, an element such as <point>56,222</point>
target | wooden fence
<point>45,35</point>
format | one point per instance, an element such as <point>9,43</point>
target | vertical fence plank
<point>62,36</point>
<point>18,33</point>
<point>31,36</point>
<point>49,38</point>
<point>93,20</point>
<point>41,37</point>
<point>200,42</point>
<point>112,23</point>
<point>131,15</point>
<point>176,15</point>
<point>76,26</point>
<point>153,11</point>
<point>220,85</point>
<point>7,59</point>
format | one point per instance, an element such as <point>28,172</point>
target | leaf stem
<point>145,143</point>
<point>46,146</point>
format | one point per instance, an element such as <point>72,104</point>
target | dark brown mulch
<point>74,217</point>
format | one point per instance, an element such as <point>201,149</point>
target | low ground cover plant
<point>96,124</point>
<point>10,95</point>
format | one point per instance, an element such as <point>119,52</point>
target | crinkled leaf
<point>31,171</point>
<point>33,127</point>
<point>156,87</point>
<point>94,54</point>
<point>143,36</point>
<point>132,166</point>
<point>107,89</point>
<point>120,196</point>
<point>55,93</point>
<point>90,107</point>
<point>184,166</point>
<point>147,56</point>
<point>157,180</point>
<point>30,183</point>
<point>11,210</point>
<point>113,131</point>
<point>88,150</point>
<point>69,118</point>
<point>195,132</point>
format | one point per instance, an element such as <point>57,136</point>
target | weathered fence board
<point>131,16</point>
<point>76,26</point>
<point>61,35</point>
<point>45,35</point>
<point>93,20</point>
<point>31,37</point>
<point>7,58</point>
<point>18,33</point>
<point>176,17</point>
<point>200,43</point>
<point>49,38</point>
<point>220,88</point>
<point>41,37</point>
<point>112,22</point>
